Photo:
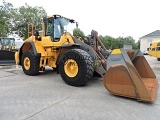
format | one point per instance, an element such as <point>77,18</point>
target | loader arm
<point>99,49</point>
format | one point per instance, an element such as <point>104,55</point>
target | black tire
<point>158,59</point>
<point>84,63</point>
<point>34,63</point>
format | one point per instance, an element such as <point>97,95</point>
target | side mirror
<point>36,33</point>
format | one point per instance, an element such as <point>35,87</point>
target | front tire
<point>76,67</point>
<point>30,63</point>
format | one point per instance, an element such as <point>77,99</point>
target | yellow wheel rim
<point>27,63</point>
<point>71,68</point>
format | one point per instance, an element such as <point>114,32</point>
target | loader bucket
<point>129,74</point>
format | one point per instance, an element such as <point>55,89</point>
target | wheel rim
<point>71,68</point>
<point>27,63</point>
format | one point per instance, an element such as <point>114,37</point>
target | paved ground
<point>47,97</point>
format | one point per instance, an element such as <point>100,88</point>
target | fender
<point>30,44</point>
<point>27,45</point>
<point>83,46</point>
<point>86,48</point>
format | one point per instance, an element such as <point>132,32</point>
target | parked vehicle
<point>145,52</point>
<point>7,50</point>
<point>154,49</point>
<point>7,44</point>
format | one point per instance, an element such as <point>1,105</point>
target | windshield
<point>8,41</point>
<point>67,25</point>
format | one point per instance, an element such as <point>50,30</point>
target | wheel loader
<point>7,44</point>
<point>7,50</point>
<point>125,72</point>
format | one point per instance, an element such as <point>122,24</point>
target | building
<point>146,40</point>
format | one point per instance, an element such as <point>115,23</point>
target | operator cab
<point>56,25</point>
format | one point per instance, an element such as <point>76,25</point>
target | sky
<point>115,18</point>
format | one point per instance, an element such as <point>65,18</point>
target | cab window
<point>153,49</point>
<point>57,29</point>
<point>49,28</point>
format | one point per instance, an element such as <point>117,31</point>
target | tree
<point>114,43</point>
<point>108,41</point>
<point>6,15</point>
<point>138,44</point>
<point>78,32</point>
<point>25,15</point>
<point>3,26</point>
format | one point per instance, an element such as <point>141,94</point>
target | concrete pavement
<point>47,97</point>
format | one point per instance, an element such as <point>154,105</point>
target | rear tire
<point>30,63</point>
<point>84,64</point>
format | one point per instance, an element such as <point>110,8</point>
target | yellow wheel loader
<point>7,50</point>
<point>125,72</point>
<point>8,44</point>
